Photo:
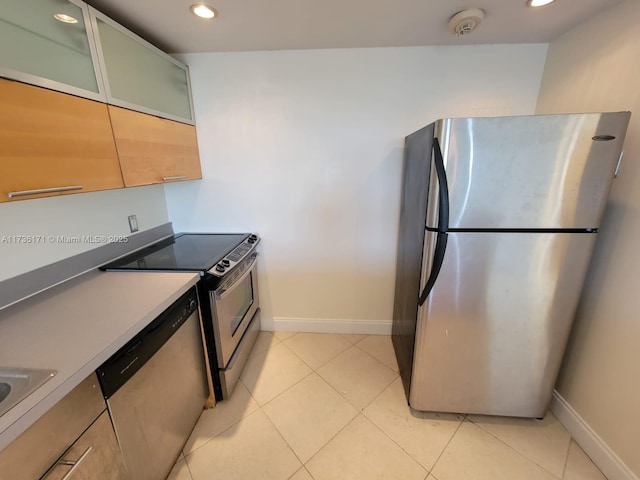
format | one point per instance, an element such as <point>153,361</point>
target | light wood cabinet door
<point>154,150</point>
<point>52,143</point>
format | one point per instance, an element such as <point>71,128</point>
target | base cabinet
<point>73,440</point>
<point>52,143</point>
<point>154,150</point>
<point>94,456</point>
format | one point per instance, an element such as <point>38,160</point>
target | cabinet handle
<point>75,465</point>
<point>174,179</point>
<point>24,193</point>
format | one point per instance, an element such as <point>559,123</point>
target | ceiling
<point>246,25</point>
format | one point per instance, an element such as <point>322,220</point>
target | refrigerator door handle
<point>443,188</point>
<point>438,259</point>
<point>443,222</point>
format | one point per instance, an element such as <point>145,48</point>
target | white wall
<point>305,148</point>
<point>596,67</point>
<point>92,214</point>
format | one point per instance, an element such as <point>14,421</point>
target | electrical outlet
<point>133,223</point>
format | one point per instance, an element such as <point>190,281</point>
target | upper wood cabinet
<point>66,45</point>
<point>139,76</point>
<point>52,143</point>
<point>154,150</point>
<point>49,43</point>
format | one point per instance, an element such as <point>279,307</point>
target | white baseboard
<point>321,325</point>
<point>606,460</point>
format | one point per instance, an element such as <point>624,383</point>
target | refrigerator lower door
<point>491,335</point>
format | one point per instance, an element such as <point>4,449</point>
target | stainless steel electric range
<point>228,293</point>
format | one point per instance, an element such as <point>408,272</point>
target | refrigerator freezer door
<point>529,172</point>
<point>491,335</point>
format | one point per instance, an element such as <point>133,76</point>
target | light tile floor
<point>328,406</point>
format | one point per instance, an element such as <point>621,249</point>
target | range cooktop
<point>193,252</point>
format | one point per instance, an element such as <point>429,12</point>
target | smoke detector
<point>466,21</point>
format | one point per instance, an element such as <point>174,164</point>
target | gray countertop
<point>74,327</point>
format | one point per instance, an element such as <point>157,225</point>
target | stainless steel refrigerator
<point>498,220</point>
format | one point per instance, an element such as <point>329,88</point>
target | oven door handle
<point>222,293</point>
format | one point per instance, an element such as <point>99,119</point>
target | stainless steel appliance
<point>228,293</point>
<point>498,221</point>
<point>156,387</point>
<point>235,321</point>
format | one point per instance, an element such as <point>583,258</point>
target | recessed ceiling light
<point>538,3</point>
<point>61,17</point>
<point>203,11</point>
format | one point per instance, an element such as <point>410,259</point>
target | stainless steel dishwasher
<point>156,387</point>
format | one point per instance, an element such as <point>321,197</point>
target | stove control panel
<point>236,256</point>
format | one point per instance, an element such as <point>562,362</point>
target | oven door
<point>233,305</point>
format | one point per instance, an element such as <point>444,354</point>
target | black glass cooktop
<point>186,252</point>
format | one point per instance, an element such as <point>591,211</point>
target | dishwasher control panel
<point>123,364</point>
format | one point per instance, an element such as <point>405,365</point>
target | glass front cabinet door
<point>139,76</point>
<point>45,43</point>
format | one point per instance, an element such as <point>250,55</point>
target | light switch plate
<point>133,223</point>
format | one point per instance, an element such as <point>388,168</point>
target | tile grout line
<point>330,386</point>
<point>515,450</point>
<point>401,447</point>
<point>286,390</point>
<point>566,459</point>
<point>382,363</point>
<point>331,439</point>
<point>261,407</point>
<point>358,410</point>
<point>301,468</point>
<point>392,440</point>
<point>267,352</point>
<point>187,464</point>
<point>223,431</point>
<point>390,368</point>
<point>446,446</point>
<point>253,354</point>
<point>335,389</point>
<point>319,366</point>
<point>229,427</point>
<point>284,440</point>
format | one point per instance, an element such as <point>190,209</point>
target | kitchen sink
<point>18,383</point>
<point>5,390</point>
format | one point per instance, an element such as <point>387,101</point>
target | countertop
<point>74,327</point>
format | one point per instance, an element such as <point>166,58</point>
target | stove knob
<point>251,240</point>
<point>226,262</point>
<point>193,305</point>
<point>220,268</point>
